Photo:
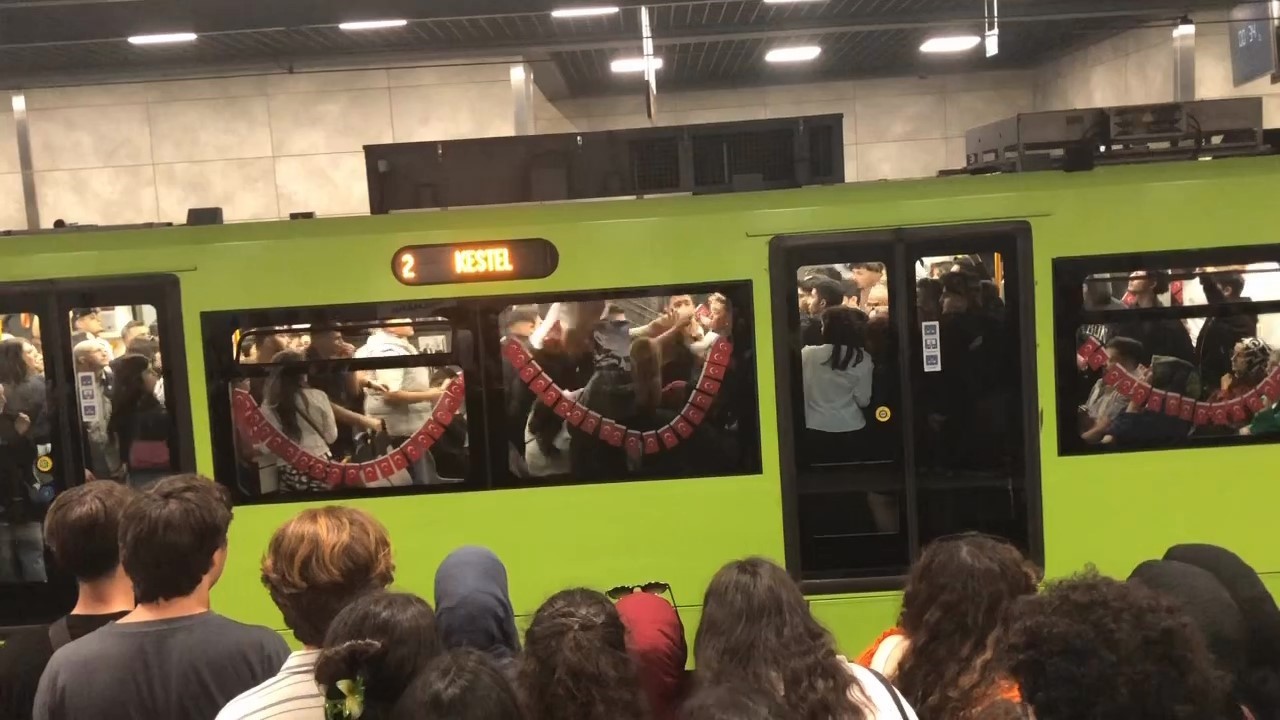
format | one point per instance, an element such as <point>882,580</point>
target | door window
<point>907,359</point>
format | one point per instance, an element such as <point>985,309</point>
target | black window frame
<point>1069,275</point>
<point>904,242</point>
<point>485,399</point>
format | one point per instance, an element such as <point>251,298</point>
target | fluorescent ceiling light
<point>633,65</point>
<point>1185,27</point>
<point>793,54</point>
<point>372,24</point>
<point>162,38</point>
<point>577,12</point>
<point>958,43</point>
<point>788,2</point>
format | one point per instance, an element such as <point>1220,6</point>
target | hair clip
<point>351,705</point>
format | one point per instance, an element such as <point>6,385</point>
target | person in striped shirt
<point>316,564</point>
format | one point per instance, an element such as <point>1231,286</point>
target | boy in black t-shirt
<point>81,529</point>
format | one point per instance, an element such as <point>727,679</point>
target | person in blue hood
<point>473,605</point>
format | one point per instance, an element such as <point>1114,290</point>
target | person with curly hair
<point>575,662</point>
<point>941,655</point>
<point>732,702</point>
<point>757,629</point>
<point>1093,647</point>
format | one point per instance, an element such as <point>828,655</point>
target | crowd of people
<point>125,425</point>
<point>849,354</point>
<point>1191,636</point>
<point>1216,361</point>
<point>344,415</point>
<point>635,363</point>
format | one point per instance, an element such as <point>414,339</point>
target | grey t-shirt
<point>186,668</point>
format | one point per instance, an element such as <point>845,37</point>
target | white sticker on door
<point>932,346</point>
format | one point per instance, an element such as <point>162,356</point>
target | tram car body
<point>970,425</point>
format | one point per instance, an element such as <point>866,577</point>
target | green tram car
<point>965,430</point>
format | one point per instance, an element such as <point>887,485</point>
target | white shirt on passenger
<point>313,405</point>
<point>833,399</point>
<point>290,695</point>
<point>402,420</point>
<point>876,699</point>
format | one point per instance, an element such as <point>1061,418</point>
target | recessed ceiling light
<point>162,38</point>
<point>793,54</point>
<point>954,44</point>
<point>372,24</point>
<point>633,65</point>
<point>577,12</point>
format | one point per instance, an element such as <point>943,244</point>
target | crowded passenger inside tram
<point>1178,356</point>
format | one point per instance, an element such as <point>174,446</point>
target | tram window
<point>593,386</point>
<point>1178,349</point>
<point>969,438</point>
<point>313,424</point>
<point>630,386</point>
<point>26,435</point>
<point>849,481</point>
<point>125,416</point>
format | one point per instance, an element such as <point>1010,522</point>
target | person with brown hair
<point>783,650</point>
<point>81,531</point>
<point>316,564</point>
<point>575,662</point>
<point>172,657</point>
<point>958,597</point>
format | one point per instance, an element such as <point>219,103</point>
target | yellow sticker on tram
<point>883,413</point>
<point>44,463</point>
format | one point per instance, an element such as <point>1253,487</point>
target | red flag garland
<point>609,431</point>
<point>1200,413</point>
<point>336,474</point>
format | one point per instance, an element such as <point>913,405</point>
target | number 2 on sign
<point>406,267</point>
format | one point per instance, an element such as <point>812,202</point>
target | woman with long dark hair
<point>462,684</point>
<point>304,415</point>
<point>757,629</point>
<point>837,386</point>
<point>575,662</point>
<point>373,650</point>
<point>957,600</point>
<point>24,425</point>
<point>139,424</point>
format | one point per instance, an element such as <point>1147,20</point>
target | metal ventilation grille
<point>821,150</point>
<point>718,159</point>
<point>656,164</point>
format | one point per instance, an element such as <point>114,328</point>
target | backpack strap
<point>59,633</point>
<point>893,693</point>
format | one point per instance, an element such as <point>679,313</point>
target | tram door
<point>94,388</point>
<point>909,414</point>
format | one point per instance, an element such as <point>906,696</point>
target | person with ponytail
<point>575,663</point>
<point>374,649</point>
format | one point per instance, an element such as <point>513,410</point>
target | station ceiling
<point>703,43</point>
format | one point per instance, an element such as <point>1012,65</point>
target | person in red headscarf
<point>655,641</point>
